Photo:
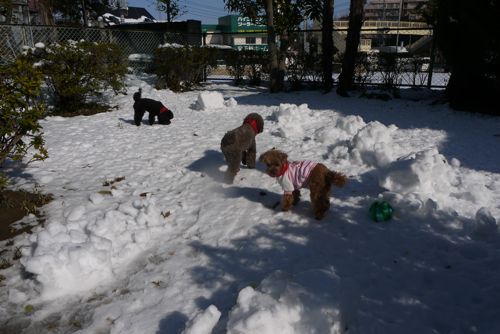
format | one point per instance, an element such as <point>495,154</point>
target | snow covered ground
<point>143,237</point>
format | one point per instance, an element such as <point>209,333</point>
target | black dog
<point>155,109</point>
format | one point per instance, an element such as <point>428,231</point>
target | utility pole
<point>383,20</point>
<point>399,23</point>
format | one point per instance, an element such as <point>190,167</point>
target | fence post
<point>431,62</point>
<point>205,74</point>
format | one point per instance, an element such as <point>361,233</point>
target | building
<point>128,15</point>
<point>391,25</point>
<point>40,12</point>
<point>237,32</point>
<point>17,13</point>
<point>389,10</point>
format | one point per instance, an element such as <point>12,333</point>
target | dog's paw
<point>319,215</point>
<point>296,197</point>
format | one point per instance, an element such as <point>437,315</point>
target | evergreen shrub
<point>247,63</point>
<point>77,73</point>
<point>304,67</point>
<point>181,67</point>
<point>20,111</point>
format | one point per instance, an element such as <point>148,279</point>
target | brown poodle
<point>294,175</point>
<point>238,145</point>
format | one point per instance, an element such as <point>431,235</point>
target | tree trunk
<point>169,10</point>
<point>84,14</point>
<point>46,10</point>
<point>327,45</point>
<point>277,76</point>
<point>346,77</point>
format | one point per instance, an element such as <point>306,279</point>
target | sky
<point>207,11</point>
<point>144,237</point>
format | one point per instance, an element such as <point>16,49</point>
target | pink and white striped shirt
<point>296,175</point>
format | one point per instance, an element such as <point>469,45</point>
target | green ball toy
<point>381,211</point>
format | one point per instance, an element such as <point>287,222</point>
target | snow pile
<point>428,182</point>
<point>373,145</point>
<point>87,247</point>
<point>350,124</point>
<point>360,143</point>
<point>213,101</point>
<point>426,172</point>
<point>204,322</point>
<point>145,57</point>
<point>231,102</point>
<point>283,305</point>
<point>343,131</point>
<point>291,119</point>
<point>485,225</point>
<point>171,45</point>
<point>257,312</point>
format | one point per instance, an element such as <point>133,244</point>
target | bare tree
<point>45,11</point>
<point>277,74</point>
<point>171,7</point>
<point>346,78</point>
<point>322,11</point>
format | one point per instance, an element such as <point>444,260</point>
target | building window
<point>250,40</point>
<point>263,40</point>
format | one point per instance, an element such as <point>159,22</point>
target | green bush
<point>257,62</point>
<point>180,68</point>
<point>20,111</point>
<point>304,68</point>
<point>235,66</point>
<point>389,67</point>
<point>75,72</point>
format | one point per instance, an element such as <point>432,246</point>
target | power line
<point>205,6</point>
<point>201,9</point>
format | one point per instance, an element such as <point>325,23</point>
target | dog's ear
<point>259,121</point>
<point>282,156</point>
<point>262,157</point>
<point>138,94</point>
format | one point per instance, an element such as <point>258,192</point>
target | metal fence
<point>14,38</point>
<point>418,64</point>
<point>420,67</point>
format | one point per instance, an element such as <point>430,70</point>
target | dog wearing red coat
<point>155,108</point>
<point>239,146</point>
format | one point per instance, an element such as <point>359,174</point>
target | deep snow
<point>143,236</point>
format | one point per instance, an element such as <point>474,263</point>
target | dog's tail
<point>137,95</point>
<point>337,179</point>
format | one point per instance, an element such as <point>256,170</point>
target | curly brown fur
<point>238,145</point>
<point>319,182</point>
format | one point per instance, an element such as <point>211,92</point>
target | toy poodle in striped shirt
<point>294,175</point>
